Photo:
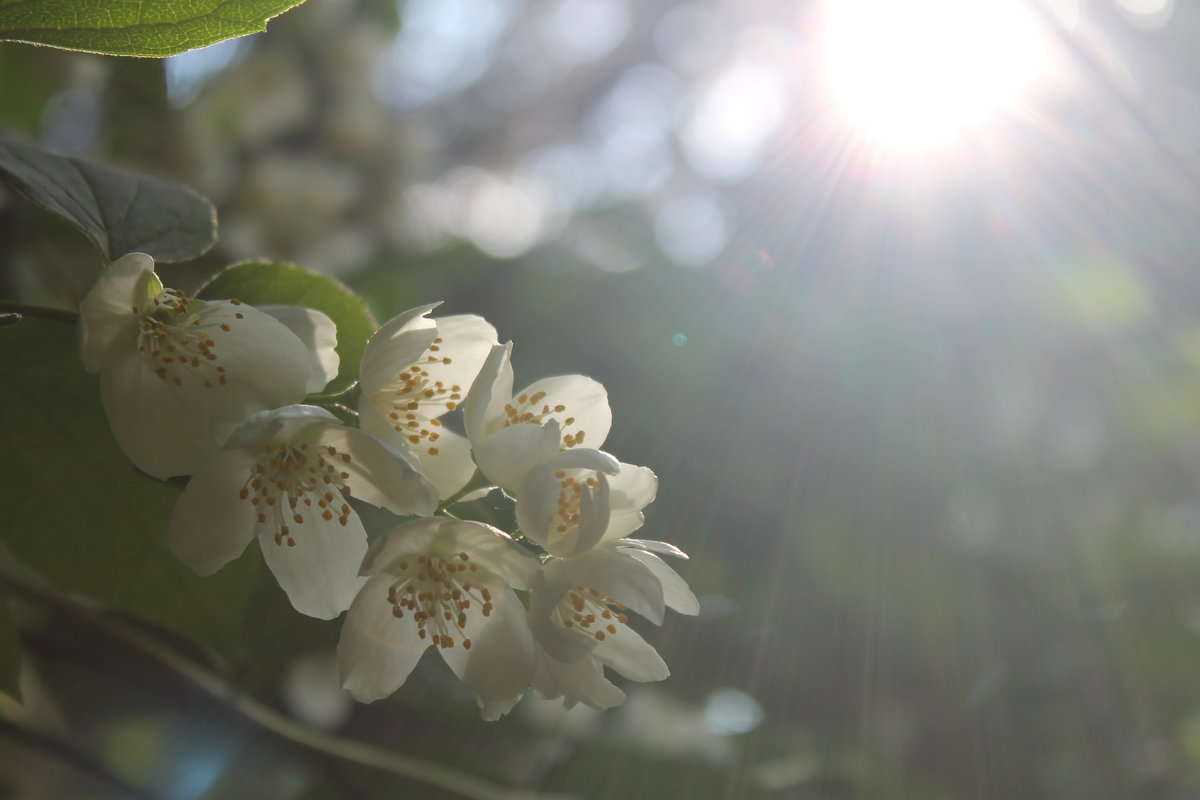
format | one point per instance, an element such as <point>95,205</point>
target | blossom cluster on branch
<point>215,390</point>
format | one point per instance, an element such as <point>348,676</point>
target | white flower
<point>441,583</point>
<point>512,433</point>
<point>577,614</point>
<point>176,374</point>
<point>414,370</point>
<point>580,498</point>
<point>284,476</point>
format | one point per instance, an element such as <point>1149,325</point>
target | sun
<point>913,74</point>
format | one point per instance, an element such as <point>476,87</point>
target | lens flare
<point>913,75</point>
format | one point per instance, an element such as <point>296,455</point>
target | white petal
<point>491,389</point>
<point>586,404</point>
<point>279,424</point>
<point>630,654</point>
<point>632,489</point>
<point>320,572</point>
<point>319,334</point>
<point>379,475</point>
<point>499,665</point>
<point>451,467</point>
<point>395,346</point>
<point>467,340</point>
<point>507,455</point>
<point>580,682</point>
<point>163,428</point>
<point>377,650</point>
<point>633,486</point>
<point>615,574</point>
<point>676,593</point>
<point>489,547</point>
<point>651,546</point>
<point>538,511</point>
<point>266,366</point>
<point>211,524</point>
<point>409,539</point>
<point>586,458</point>
<point>108,324</point>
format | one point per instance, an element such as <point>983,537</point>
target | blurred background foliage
<point>927,424</point>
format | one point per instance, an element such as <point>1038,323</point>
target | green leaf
<point>153,28</point>
<point>121,212</point>
<point>266,283</point>
<point>78,513</point>
<point>10,653</point>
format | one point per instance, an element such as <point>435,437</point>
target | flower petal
<point>507,455</point>
<point>451,466</point>
<point>491,548</point>
<point>266,366</point>
<point>489,392</point>
<point>616,574</point>
<point>210,524</point>
<point>317,563</point>
<point>629,654</point>
<point>278,424</point>
<point>676,593</point>
<point>499,666</point>
<point>467,340</point>
<point>108,321</point>
<point>651,546</point>
<point>546,514</point>
<point>631,489</point>
<point>319,335</point>
<point>163,428</point>
<point>377,474</point>
<point>580,682</point>
<point>585,405</point>
<point>395,346</point>
<point>377,650</point>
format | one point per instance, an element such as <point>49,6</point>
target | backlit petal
<point>378,475</point>
<point>395,346</point>
<point>317,562</point>
<point>489,392</point>
<point>507,455</point>
<point>108,321</point>
<point>163,431</point>
<point>580,682</point>
<point>319,335</point>
<point>377,650</point>
<point>499,665</point>
<point>210,524</point>
<point>630,654</point>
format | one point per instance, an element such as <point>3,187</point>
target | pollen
<point>579,610</point>
<point>182,341</point>
<point>414,399</point>
<point>285,479</point>
<point>442,606</point>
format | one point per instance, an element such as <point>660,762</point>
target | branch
<point>279,724</point>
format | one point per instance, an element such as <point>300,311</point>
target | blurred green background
<point>926,422</point>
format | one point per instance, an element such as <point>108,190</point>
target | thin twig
<point>279,724</point>
<point>45,312</point>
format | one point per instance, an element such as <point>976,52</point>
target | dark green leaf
<point>78,513</point>
<point>10,654</point>
<point>145,28</point>
<point>120,211</point>
<point>265,283</point>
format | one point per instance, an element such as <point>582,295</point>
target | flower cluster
<point>213,390</point>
